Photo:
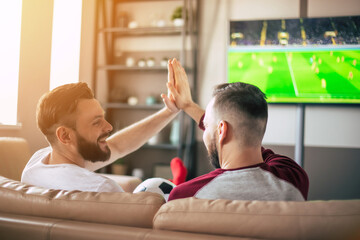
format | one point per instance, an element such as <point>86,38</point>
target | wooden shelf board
<point>143,31</point>
<point>125,68</point>
<point>116,67</point>
<point>134,107</point>
<point>162,146</point>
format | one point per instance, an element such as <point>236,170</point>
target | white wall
<point>324,8</point>
<point>333,126</point>
<point>327,126</point>
<point>34,68</point>
<point>87,64</point>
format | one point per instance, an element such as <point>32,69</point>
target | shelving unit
<point>117,80</point>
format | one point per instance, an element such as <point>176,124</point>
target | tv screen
<point>306,60</point>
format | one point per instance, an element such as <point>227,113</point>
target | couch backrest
<point>14,154</point>
<point>125,209</point>
<point>261,219</point>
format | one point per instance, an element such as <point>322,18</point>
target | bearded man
<point>74,124</point>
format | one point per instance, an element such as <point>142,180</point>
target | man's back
<point>278,178</point>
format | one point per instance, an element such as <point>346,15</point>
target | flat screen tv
<point>304,60</point>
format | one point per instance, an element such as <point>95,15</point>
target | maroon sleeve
<point>201,122</point>
<point>287,169</point>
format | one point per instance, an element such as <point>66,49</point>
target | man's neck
<point>232,158</point>
<point>58,156</point>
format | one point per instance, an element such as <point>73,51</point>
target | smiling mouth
<point>102,141</point>
<point>102,138</point>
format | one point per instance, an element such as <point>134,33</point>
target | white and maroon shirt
<point>277,178</point>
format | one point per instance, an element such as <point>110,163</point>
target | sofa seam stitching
<point>256,214</point>
<point>48,235</point>
<point>53,199</point>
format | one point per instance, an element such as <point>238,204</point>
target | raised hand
<point>179,89</point>
<point>178,86</point>
<point>169,99</point>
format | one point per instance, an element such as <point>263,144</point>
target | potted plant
<point>176,17</point>
<point>119,167</point>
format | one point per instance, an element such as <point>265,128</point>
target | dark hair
<point>58,105</point>
<point>247,103</point>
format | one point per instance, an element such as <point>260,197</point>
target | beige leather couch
<point>29,212</point>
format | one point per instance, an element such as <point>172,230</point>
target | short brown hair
<point>247,104</point>
<point>57,106</point>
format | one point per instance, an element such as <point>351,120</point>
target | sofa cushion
<point>124,209</point>
<point>257,219</point>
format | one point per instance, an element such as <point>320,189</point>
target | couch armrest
<point>14,154</point>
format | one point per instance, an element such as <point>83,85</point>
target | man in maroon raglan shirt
<point>234,124</point>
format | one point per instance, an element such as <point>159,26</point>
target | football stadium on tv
<point>312,60</point>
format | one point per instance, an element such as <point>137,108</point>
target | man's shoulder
<point>286,169</point>
<point>37,157</point>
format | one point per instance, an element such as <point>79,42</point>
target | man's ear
<point>222,131</point>
<point>63,134</point>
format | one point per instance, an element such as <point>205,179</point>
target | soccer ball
<point>156,185</point>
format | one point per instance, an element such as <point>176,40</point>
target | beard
<point>213,154</point>
<point>92,151</point>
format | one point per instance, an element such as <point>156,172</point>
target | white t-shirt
<point>64,176</point>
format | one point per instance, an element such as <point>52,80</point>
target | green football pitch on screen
<point>299,76</point>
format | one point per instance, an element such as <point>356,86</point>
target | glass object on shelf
<point>150,62</point>
<point>133,100</point>
<point>164,62</point>
<point>130,62</point>
<point>151,100</point>
<point>133,24</point>
<point>178,22</point>
<point>175,132</point>
<point>122,19</point>
<point>141,63</point>
<point>138,172</point>
<point>161,23</point>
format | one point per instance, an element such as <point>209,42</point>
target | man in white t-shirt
<point>74,124</point>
